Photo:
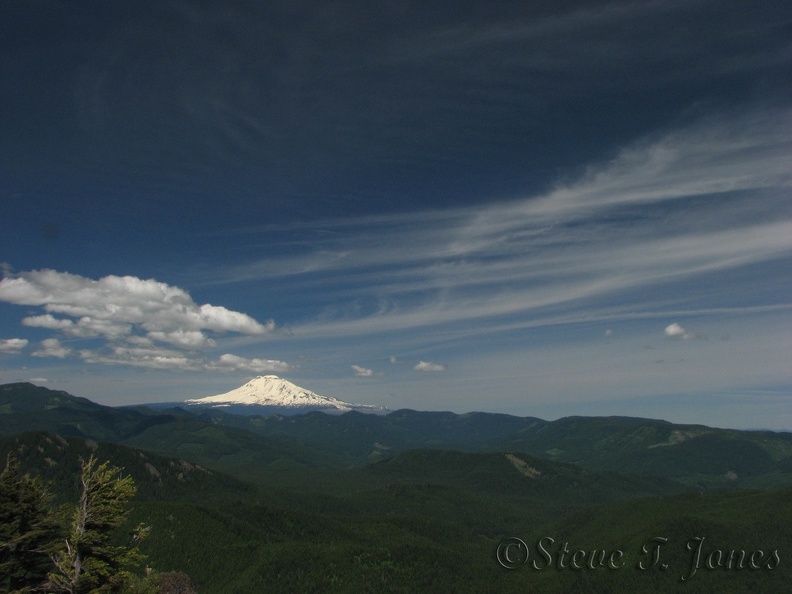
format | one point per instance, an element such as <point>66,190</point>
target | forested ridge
<point>407,520</point>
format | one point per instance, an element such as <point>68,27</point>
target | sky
<point>535,208</point>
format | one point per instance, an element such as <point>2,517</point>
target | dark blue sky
<point>540,208</point>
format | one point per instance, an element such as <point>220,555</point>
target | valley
<point>414,501</point>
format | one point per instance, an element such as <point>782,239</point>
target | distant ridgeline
<point>696,454</point>
<point>413,501</point>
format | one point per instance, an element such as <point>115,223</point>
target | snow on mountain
<point>273,391</point>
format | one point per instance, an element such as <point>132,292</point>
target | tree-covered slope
<point>252,447</point>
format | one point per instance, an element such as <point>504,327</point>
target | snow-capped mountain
<point>274,393</point>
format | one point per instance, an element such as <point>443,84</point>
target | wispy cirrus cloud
<point>699,201</point>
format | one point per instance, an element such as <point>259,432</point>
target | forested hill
<point>694,454</point>
<point>423,501</point>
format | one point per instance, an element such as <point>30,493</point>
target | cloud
<point>507,56</point>
<point>12,345</point>
<point>165,358</point>
<point>147,357</point>
<point>230,362</point>
<point>51,347</point>
<point>220,319</point>
<point>85,327</point>
<point>676,331</point>
<point>112,305</point>
<point>48,321</point>
<point>362,371</point>
<point>39,380</point>
<point>429,366</point>
<point>191,339</point>
<point>694,204</point>
<point>146,323</point>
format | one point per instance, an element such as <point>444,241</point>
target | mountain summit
<point>278,394</point>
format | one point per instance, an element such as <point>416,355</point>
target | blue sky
<point>544,209</point>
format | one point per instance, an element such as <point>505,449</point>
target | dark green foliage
<point>276,448</point>
<point>174,582</point>
<point>89,562</point>
<point>26,407</point>
<point>360,503</point>
<point>28,530</point>
<point>424,521</point>
<point>726,525</point>
<point>57,460</point>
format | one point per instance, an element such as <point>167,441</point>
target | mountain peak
<point>273,391</point>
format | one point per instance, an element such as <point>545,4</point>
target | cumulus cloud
<point>230,362</point>
<point>85,327</point>
<point>48,321</point>
<point>151,356</point>
<point>12,345</point>
<point>146,323</point>
<point>362,371</point>
<point>676,331</point>
<point>191,339</point>
<point>429,366</point>
<point>51,347</point>
<point>113,305</point>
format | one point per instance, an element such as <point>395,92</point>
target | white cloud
<point>12,345</point>
<point>230,362</point>
<point>112,305</point>
<point>429,366</point>
<point>693,205</point>
<point>136,317</point>
<point>220,319</point>
<point>190,339</point>
<point>85,327</point>
<point>48,321</point>
<point>675,330</point>
<point>142,356</point>
<point>157,357</point>
<point>51,347</point>
<point>139,340</point>
<point>362,371</point>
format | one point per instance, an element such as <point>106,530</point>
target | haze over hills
<point>270,393</point>
<point>353,502</point>
<point>248,443</point>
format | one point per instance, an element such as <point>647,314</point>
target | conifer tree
<point>28,530</point>
<point>88,561</point>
